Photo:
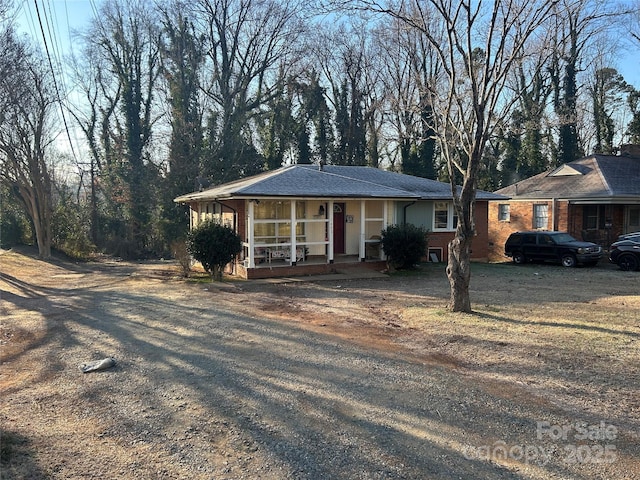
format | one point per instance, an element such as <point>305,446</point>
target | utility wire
<point>55,82</point>
<point>53,25</point>
<point>31,24</point>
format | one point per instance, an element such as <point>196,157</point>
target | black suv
<point>559,247</point>
<point>626,252</point>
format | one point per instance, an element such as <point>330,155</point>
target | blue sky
<point>59,20</point>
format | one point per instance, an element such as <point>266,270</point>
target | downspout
<point>404,219</point>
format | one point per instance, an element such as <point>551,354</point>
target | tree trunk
<point>459,272</point>
<point>459,262</point>
<point>37,204</point>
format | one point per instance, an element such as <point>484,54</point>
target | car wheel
<point>518,258</point>
<point>568,261</point>
<point>628,263</point>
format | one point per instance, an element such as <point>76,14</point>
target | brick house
<point>305,219</point>
<point>596,198</point>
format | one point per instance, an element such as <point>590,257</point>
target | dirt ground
<point>331,378</point>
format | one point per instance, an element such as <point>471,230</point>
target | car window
<point>529,239</point>
<point>546,240</point>
<point>564,238</point>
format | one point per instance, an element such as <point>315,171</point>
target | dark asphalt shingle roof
<point>597,176</point>
<point>332,181</point>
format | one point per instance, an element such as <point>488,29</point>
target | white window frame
<point>537,218</point>
<point>504,212</point>
<point>451,218</point>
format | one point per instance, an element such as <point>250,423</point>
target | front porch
<point>284,237</point>
<point>602,223</point>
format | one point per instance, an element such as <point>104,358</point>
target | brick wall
<point>303,270</point>
<point>241,218</point>
<point>566,217</point>
<point>480,244</point>
<point>521,218</point>
<point>562,214</point>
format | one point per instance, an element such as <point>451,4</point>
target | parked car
<point>626,252</point>
<point>630,236</point>
<point>557,247</point>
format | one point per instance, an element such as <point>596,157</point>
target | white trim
<point>450,216</point>
<point>363,227</point>
<point>294,230</point>
<point>250,235</point>
<point>508,213</point>
<point>536,217</point>
<point>385,224</point>
<point>330,254</point>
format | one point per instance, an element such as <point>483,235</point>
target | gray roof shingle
<point>332,181</point>
<point>597,176</point>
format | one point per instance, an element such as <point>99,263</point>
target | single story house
<point>596,199</point>
<point>302,219</point>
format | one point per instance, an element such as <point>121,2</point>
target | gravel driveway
<point>204,391</point>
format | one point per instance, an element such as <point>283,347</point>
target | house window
<point>541,216</point>
<point>504,212</point>
<point>593,217</point>
<point>273,220</point>
<point>444,217</point>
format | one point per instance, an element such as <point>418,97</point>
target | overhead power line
<point>53,73</point>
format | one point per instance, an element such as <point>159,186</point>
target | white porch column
<point>250,235</point>
<point>385,224</point>
<point>330,232</point>
<point>363,230</point>
<point>294,227</point>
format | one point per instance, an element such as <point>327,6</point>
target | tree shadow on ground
<point>195,377</point>
<point>17,457</point>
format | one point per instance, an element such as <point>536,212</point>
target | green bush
<point>214,246</point>
<point>404,245</point>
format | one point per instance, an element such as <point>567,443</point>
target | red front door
<point>338,228</point>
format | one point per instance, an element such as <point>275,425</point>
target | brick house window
<point>444,217</point>
<point>593,217</point>
<point>504,212</point>
<point>541,216</point>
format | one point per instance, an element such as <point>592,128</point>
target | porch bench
<point>284,253</point>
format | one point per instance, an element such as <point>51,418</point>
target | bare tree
<point>477,44</point>
<point>27,103</point>
<point>6,7</point>
<point>608,91</point>
<point>95,116</point>
<point>410,72</point>
<point>182,55</point>
<point>251,45</point>
<point>579,28</point>
<point>349,63</point>
<point>123,53</point>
